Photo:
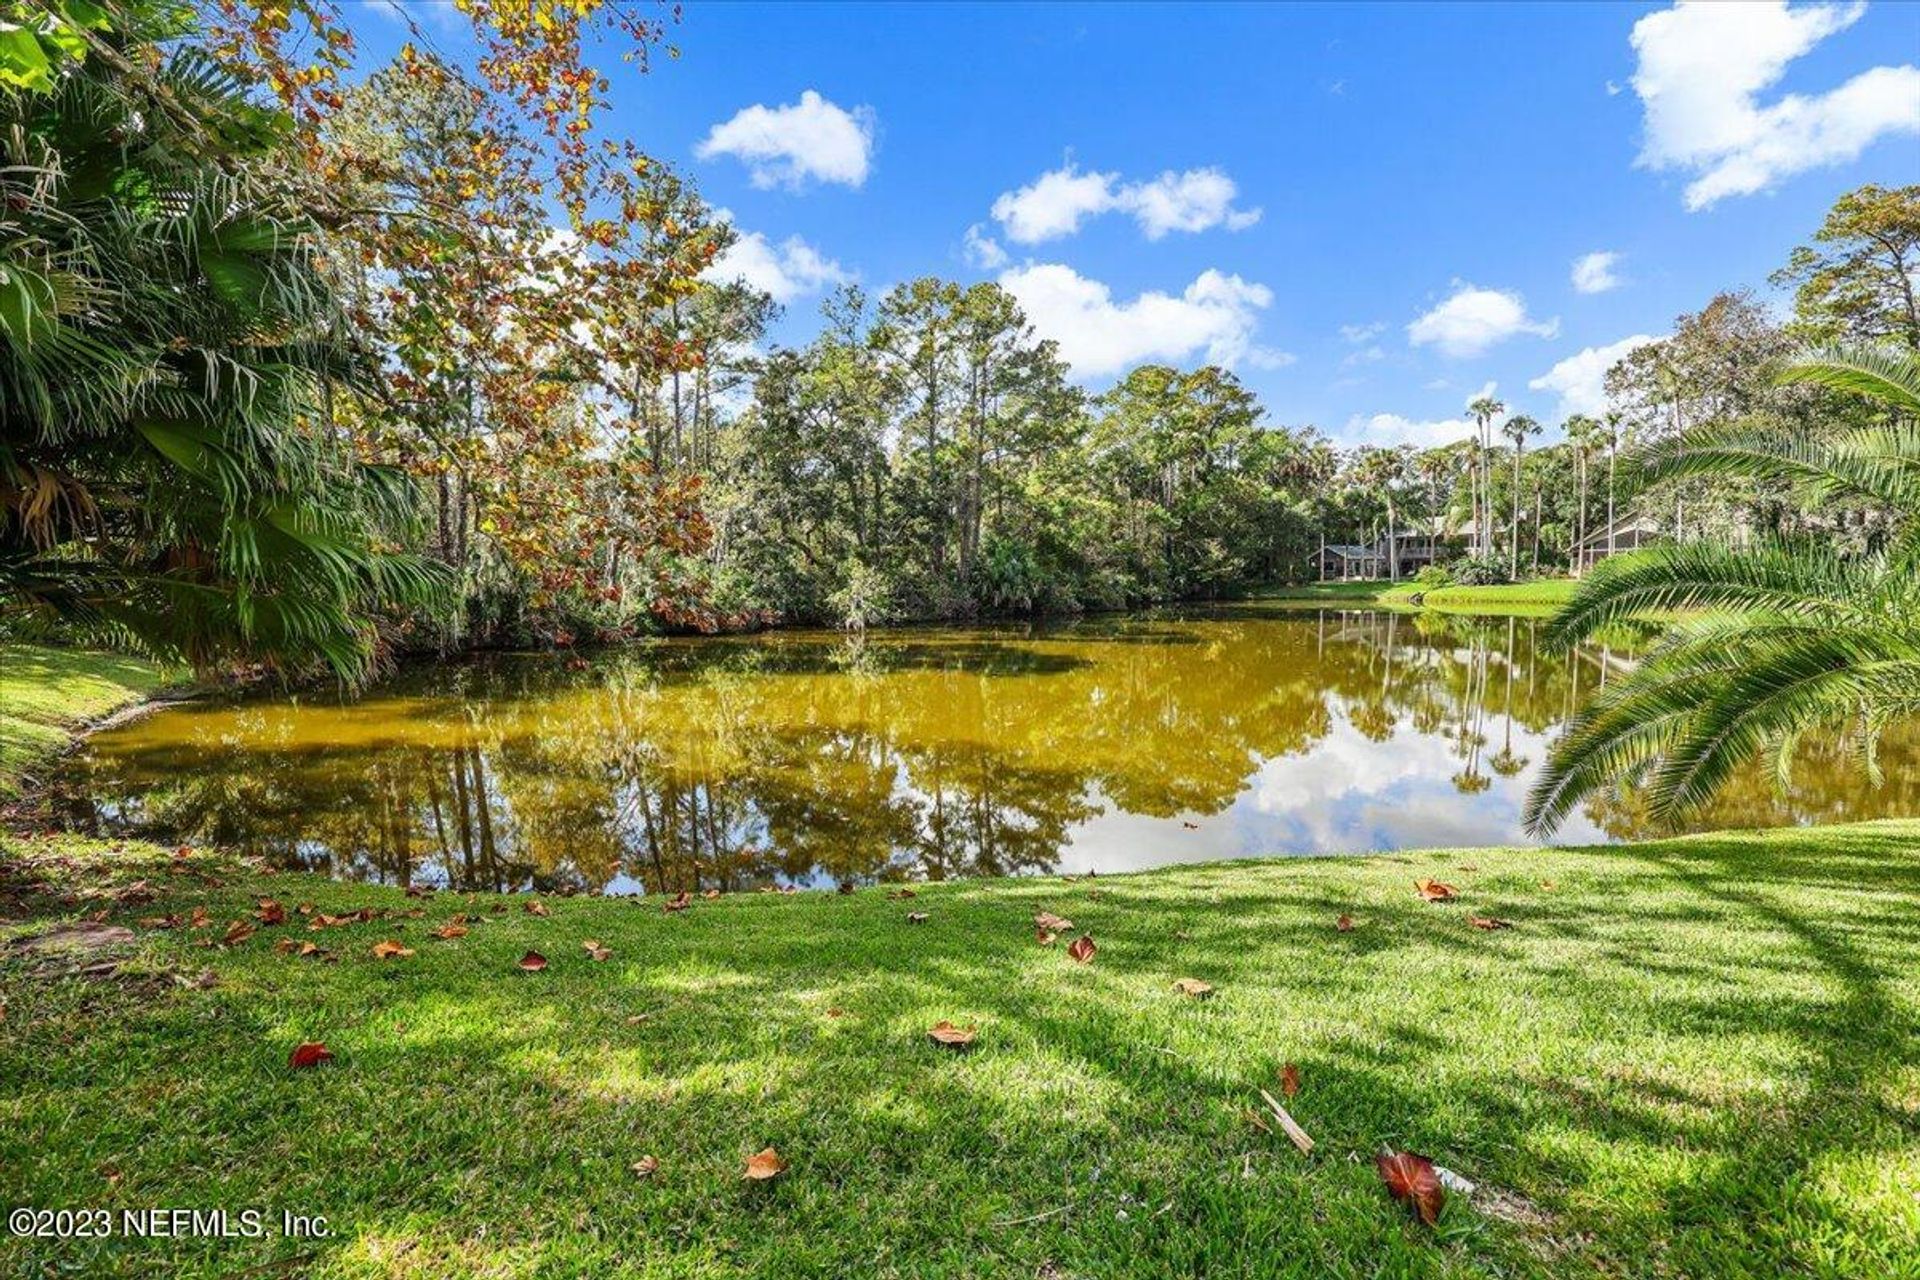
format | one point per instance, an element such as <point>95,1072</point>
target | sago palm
<point>1783,637</point>
<point>169,353</point>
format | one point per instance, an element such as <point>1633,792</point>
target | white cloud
<point>1593,272</point>
<point>1058,201</point>
<point>1474,319</point>
<point>1390,429</point>
<point>1366,355</point>
<point>1580,379</point>
<point>1099,336</point>
<point>788,270</point>
<point>811,140</point>
<point>982,250</point>
<point>1359,333</point>
<point>1702,68</point>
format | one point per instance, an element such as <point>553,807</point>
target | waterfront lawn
<point>1690,1058</point>
<point>47,693</point>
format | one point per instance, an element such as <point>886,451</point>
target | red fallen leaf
<point>679,902</point>
<point>324,921</point>
<point>1412,1181</point>
<point>311,1054</point>
<point>646,1166</point>
<point>1290,1079</point>
<point>1045,937</point>
<point>390,949</point>
<point>286,945</point>
<point>916,917</point>
<point>764,1165</point>
<point>200,919</point>
<point>1194,987</point>
<point>535,907</point>
<point>1344,924</point>
<point>944,1032</point>
<point>237,932</point>
<point>312,949</point>
<point>1489,922</point>
<point>594,949</point>
<point>1434,891</point>
<point>533,962</point>
<point>1052,923</point>
<point>1082,948</point>
<point>449,931</point>
<point>271,912</point>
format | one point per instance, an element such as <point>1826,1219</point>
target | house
<point>1342,561</point>
<point>1627,533</point>
<point>1408,551</point>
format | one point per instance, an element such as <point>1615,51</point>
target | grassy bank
<point>1689,1058</point>
<point>1540,597</point>
<point>45,694</point>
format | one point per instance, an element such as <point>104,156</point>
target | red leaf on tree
<point>311,1054</point>
<point>1082,948</point>
<point>1412,1181</point>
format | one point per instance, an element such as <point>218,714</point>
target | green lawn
<point>46,693</point>
<point>1540,597</point>
<point>1697,1058</point>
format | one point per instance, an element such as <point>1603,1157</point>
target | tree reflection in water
<point>809,758</point>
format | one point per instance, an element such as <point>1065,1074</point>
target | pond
<point>811,758</point>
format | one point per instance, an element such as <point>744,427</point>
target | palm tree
<point>1615,434</point>
<point>1517,429</point>
<point>1782,637</point>
<point>1581,432</point>
<point>1484,410</point>
<point>171,360</point>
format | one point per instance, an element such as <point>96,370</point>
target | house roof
<point>1632,523</point>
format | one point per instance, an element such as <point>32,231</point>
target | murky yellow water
<point>812,758</point>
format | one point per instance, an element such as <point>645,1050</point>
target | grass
<point>1538,598</point>
<point>1693,1058</point>
<point>45,694</point>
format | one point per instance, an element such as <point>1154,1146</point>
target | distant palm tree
<point>1781,637</point>
<point>1581,432</point>
<point>1484,410</point>
<point>1517,429</point>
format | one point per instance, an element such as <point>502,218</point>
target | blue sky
<point>1425,176</point>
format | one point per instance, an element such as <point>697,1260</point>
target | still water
<point>811,758</point>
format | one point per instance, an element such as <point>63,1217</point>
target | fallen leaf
<point>1489,922</point>
<point>679,902</point>
<point>160,922</point>
<point>916,917</point>
<point>764,1165</point>
<point>1194,987</point>
<point>900,895</point>
<point>311,1054</point>
<point>1052,923</point>
<point>1344,924</point>
<point>200,919</point>
<point>1045,937</point>
<point>286,944</point>
<point>1434,891</point>
<point>1082,948</point>
<point>836,1012</point>
<point>271,912</point>
<point>1413,1182</point>
<point>310,949</point>
<point>449,931</point>
<point>390,949</point>
<point>711,894</point>
<point>594,949</point>
<point>237,932</point>
<point>1548,885</point>
<point>533,962</point>
<point>646,1166</point>
<point>534,907</point>
<point>953,1037</point>
<point>1289,1079</point>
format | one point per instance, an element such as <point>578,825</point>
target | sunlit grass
<point>1691,1058</point>
<point>44,693</point>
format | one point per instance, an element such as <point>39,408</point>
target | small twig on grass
<point>1038,1217</point>
<point>1294,1131</point>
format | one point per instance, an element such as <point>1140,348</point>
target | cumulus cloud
<point>1475,319</point>
<point>1580,380</point>
<point>811,140</point>
<point>1593,272</point>
<point>1702,68</point>
<point>1389,429</point>
<point>1359,333</point>
<point>1366,355</point>
<point>982,250</point>
<point>1058,201</point>
<point>787,270</point>
<point>1100,335</point>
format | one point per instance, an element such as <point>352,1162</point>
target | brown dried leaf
<point>1489,922</point>
<point>1045,938</point>
<point>593,948</point>
<point>1194,987</point>
<point>1434,891</point>
<point>901,895</point>
<point>271,912</point>
<point>679,902</point>
<point>764,1165</point>
<point>1413,1182</point>
<point>237,932</point>
<point>535,907</point>
<point>311,1054</point>
<point>1290,1079</point>
<point>390,949</point>
<point>449,931</point>
<point>1052,923</point>
<point>646,1166</point>
<point>1082,948</point>
<point>533,962</point>
<point>944,1032</point>
<point>1344,924</point>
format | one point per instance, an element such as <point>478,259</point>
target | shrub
<point>1478,571</point>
